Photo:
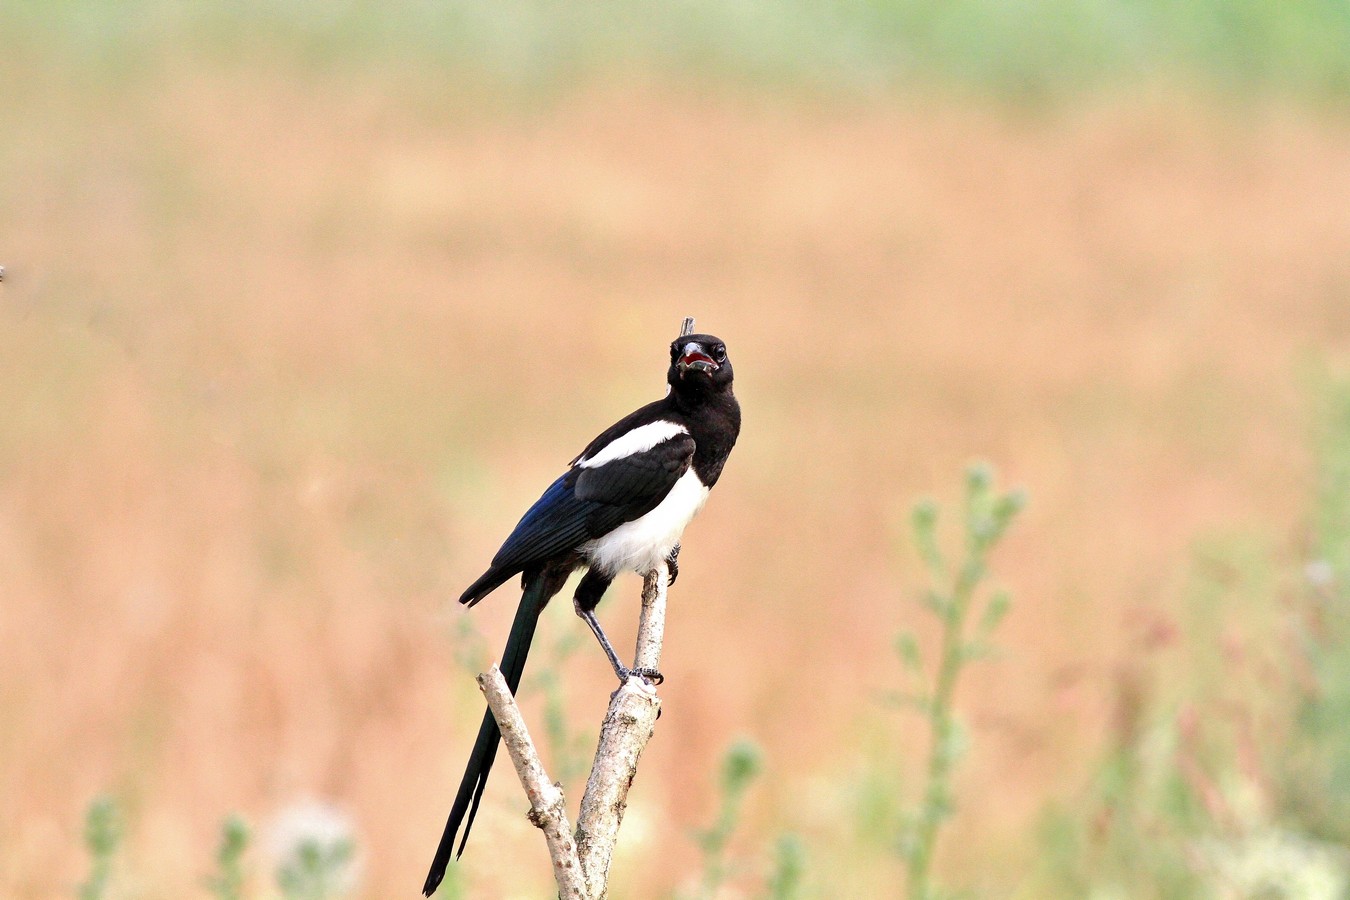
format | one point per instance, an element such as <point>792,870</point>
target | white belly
<point>641,544</point>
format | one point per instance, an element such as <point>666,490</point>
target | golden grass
<point>281,364</point>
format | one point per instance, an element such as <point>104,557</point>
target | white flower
<point>1275,863</point>
<point>313,845</point>
<point>1319,574</point>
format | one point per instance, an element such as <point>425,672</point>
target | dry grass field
<point>282,361</point>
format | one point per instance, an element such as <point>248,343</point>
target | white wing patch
<point>639,440</point>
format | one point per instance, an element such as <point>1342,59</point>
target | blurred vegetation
<point>1234,779</point>
<point>570,748</point>
<point>1316,784</point>
<point>102,838</point>
<point>951,598</point>
<point>1023,49</point>
<point>316,870</point>
<point>228,882</point>
<point>741,765</point>
<point>789,868</point>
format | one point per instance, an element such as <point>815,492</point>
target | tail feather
<point>488,582</point>
<point>484,753</point>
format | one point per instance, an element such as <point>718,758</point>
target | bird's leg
<point>587,597</point>
<point>592,587</point>
<point>591,620</point>
<point>673,564</point>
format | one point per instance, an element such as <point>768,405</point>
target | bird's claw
<point>650,675</point>
<point>673,565</point>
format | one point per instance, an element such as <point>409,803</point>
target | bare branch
<point>628,726</point>
<point>652,625</point>
<point>548,811</point>
<point>687,326</point>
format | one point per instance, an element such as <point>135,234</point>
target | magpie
<point>622,505</point>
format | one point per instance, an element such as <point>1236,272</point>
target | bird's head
<point>699,364</point>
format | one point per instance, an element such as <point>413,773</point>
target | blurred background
<point>304,303</point>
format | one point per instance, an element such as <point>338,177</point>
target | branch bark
<point>581,864</point>
<point>629,723</point>
<point>548,810</point>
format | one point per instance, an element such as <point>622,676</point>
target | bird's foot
<point>673,565</point>
<point>647,674</point>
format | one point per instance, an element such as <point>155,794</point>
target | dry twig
<point>548,810</point>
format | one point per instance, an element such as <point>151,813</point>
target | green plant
<point>315,871</point>
<point>951,597</point>
<point>228,882</point>
<point>102,836</point>
<point>740,766</point>
<point>789,868</point>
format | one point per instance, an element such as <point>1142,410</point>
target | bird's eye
<point>721,352</point>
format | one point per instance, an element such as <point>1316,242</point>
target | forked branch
<point>581,865</point>
<point>628,726</point>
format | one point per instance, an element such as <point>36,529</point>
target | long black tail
<point>536,594</point>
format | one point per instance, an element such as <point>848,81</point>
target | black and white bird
<point>621,506</point>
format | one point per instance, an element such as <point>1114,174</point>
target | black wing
<point>585,503</point>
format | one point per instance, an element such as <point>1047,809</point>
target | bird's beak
<point>694,357</point>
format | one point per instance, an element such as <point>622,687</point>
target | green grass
<point>1024,48</point>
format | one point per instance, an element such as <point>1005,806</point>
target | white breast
<point>642,543</point>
